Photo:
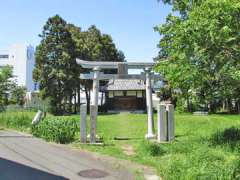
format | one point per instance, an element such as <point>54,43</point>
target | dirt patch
<point>128,149</point>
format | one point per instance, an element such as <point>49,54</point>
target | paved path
<point>23,157</point>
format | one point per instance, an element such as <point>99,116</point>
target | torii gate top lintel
<point>114,65</point>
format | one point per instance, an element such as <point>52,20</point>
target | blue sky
<point>129,22</point>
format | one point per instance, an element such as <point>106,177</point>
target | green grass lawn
<point>206,147</point>
<point>201,150</point>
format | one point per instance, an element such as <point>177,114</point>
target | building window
<point>131,93</point>
<point>110,94</point>
<point>3,56</point>
<point>118,93</point>
<point>29,54</point>
<point>139,94</point>
<point>35,86</point>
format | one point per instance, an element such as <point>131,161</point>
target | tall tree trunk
<point>60,108</point>
<point>212,107</point>
<point>238,106</point>
<point>70,103</point>
<point>224,105</point>
<point>229,103</point>
<point>188,104</point>
<point>78,97</point>
<point>64,105</point>
<point>101,100</point>
<point>75,101</point>
<point>87,92</point>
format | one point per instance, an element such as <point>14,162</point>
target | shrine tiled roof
<point>124,84</point>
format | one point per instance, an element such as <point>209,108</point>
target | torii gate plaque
<point>122,67</point>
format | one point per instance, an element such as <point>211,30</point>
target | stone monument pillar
<point>162,123</point>
<point>83,125</point>
<point>166,123</point>
<point>171,122</point>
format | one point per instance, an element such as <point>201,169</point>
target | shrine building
<point>125,95</point>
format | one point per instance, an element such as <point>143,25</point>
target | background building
<point>21,58</point>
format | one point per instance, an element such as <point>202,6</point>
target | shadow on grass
<point>108,113</point>
<point>127,138</point>
<point>228,137</point>
<point>227,113</point>
<point>97,144</point>
<point>182,135</point>
<point>120,112</point>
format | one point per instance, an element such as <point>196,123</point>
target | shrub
<point>16,120</point>
<point>153,149</point>
<point>59,130</point>
<point>180,107</point>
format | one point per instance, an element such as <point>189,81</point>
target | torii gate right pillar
<point>150,132</point>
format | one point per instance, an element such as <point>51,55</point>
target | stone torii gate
<point>122,68</point>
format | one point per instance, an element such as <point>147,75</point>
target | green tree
<point>92,45</point>
<point>56,68</point>
<point>18,95</point>
<point>6,84</point>
<point>182,6</point>
<point>199,50</point>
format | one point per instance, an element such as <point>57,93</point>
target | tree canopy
<point>6,84</point>
<point>56,69</point>
<point>92,45</point>
<point>10,92</point>
<point>199,50</point>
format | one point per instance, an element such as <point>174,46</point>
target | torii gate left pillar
<point>94,105</point>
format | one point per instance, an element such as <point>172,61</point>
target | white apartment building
<point>21,58</point>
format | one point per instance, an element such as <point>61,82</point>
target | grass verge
<point>206,147</point>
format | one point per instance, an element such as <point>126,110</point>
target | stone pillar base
<point>150,136</point>
<point>83,125</point>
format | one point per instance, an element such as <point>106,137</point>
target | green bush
<point>152,149</point>
<point>180,107</point>
<point>56,129</point>
<point>16,120</point>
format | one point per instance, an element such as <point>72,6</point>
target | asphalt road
<point>23,157</point>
